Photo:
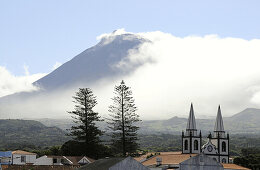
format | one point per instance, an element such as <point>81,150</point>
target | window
<point>54,160</point>
<point>224,160</point>
<point>196,145</point>
<point>223,146</point>
<point>186,145</point>
<point>23,158</point>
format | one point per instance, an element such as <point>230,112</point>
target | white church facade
<point>217,146</point>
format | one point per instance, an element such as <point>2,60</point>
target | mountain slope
<point>95,64</point>
<point>92,64</point>
<point>16,133</point>
<point>249,114</point>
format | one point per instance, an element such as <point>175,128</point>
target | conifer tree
<point>85,130</point>
<point>122,121</point>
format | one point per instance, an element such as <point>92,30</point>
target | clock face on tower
<point>210,148</point>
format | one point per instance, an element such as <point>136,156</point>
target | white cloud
<point>56,65</point>
<point>10,84</point>
<point>207,71</point>
<point>26,70</point>
<point>110,35</point>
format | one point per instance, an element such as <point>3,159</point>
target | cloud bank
<point>10,84</point>
<point>207,71</point>
<point>175,71</point>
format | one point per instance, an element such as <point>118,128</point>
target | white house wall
<point>29,159</point>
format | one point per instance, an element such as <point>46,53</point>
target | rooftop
<point>101,164</point>
<point>20,152</point>
<point>73,159</point>
<point>170,158</point>
<point>234,166</point>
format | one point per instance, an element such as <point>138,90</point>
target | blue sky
<point>40,33</point>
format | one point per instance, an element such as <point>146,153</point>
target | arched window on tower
<point>186,145</point>
<point>224,160</point>
<point>224,146</point>
<point>196,145</point>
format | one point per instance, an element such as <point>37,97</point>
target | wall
<point>29,159</point>
<point>201,162</point>
<point>44,160</point>
<point>193,139</point>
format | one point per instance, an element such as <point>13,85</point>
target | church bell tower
<point>220,139</point>
<point>217,146</point>
<point>191,141</point>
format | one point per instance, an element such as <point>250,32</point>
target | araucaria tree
<point>122,121</point>
<point>85,130</point>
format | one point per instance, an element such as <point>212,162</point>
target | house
<point>20,157</point>
<point>115,164</point>
<point>6,158</point>
<point>63,160</point>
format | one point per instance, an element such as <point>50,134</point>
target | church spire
<point>219,126</point>
<point>191,124</point>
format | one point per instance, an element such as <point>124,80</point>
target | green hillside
<point>21,134</point>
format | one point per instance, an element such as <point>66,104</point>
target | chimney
<point>158,161</point>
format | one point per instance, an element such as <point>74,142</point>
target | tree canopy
<point>122,121</point>
<point>85,118</point>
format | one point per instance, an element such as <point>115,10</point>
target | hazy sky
<point>213,45</point>
<point>43,33</point>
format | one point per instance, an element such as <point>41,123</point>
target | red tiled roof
<point>234,166</point>
<point>149,153</point>
<point>168,159</point>
<point>20,152</point>
<point>173,158</point>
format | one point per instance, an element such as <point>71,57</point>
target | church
<point>217,146</point>
<point>213,155</point>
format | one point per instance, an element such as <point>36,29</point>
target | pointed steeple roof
<point>191,124</point>
<point>219,126</point>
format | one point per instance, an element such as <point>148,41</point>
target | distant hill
<point>21,134</point>
<point>246,121</point>
<point>249,114</point>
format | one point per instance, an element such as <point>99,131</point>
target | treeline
<point>249,158</point>
<point>160,142</point>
